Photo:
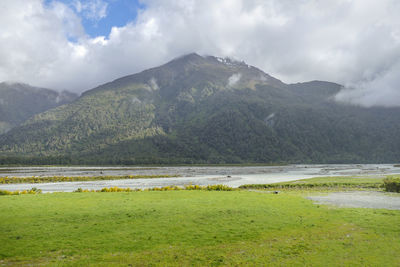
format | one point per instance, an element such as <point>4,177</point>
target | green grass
<point>53,179</point>
<point>343,182</point>
<point>186,228</point>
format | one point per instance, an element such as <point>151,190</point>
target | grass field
<point>182,228</point>
<point>325,183</point>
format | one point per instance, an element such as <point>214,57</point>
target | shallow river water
<point>232,176</point>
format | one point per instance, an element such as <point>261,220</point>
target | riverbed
<point>372,200</point>
<point>233,176</point>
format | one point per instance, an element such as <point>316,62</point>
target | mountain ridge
<point>20,101</point>
<point>197,109</point>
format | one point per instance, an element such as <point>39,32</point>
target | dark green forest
<point>188,112</point>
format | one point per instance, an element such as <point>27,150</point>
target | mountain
<point>198,109</point>
<point>19,101</point>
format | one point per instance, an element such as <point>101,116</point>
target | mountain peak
<point>187,58</point>
<point>15,84</point>
<point>195,70</point>
<point>229,61</point>
<point>190,56</point>
<point>194,59</point>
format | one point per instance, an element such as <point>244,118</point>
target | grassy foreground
<point>181,228</point>
<point>325,183</point>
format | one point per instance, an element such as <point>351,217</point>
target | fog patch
<point>135,100</point>
<point>270,121</point>
<point>383,91</point>
<point>234,79</point>
<point>4,127</point>
<point>263,78</point>
<point>153,84</point>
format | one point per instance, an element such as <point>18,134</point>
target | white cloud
<point>382,90</point>
<point>91,9</point>
<point>153,84</point>
<point>234,79</point>
<point>355,43</point>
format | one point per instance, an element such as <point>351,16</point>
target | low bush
<point>392,184</point>
<point>31,191</point>
<point>218,187</point>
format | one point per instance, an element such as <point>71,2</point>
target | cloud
<point>91,9</point>
<point>355,43</point>
<point>153,84</point>
<point>234,79</point>
<point>382,90</point>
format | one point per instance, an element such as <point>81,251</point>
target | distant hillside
<point>18,102</point>
<point>198,109</point>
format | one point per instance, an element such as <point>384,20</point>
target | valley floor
<point>185,228</point>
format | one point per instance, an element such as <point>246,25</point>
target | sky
<point>76,45</point>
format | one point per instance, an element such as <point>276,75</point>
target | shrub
<point>36,190</point>
<point>192,187</point>
<point>80,190</point>
<point>392,184</point>
<point>218,187</point>
<point>31,191</point>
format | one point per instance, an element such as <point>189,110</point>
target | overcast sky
<point>77,45</point>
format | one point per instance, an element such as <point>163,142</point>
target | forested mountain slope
<point>198,109</point>
<point>18,102</point>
